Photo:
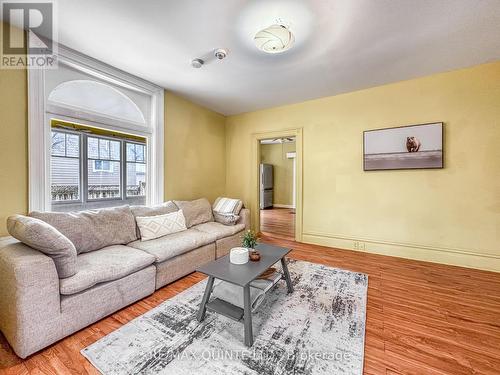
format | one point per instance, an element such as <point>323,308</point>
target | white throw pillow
<point>152,227</point>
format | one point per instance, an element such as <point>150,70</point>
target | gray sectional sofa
<point>37,308</point>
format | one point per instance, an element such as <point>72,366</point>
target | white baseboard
<point>283,205</point>
<point>443,255</point>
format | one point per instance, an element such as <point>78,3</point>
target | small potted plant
<point>249,241</point>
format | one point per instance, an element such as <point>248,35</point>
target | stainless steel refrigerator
<point>266,186</point>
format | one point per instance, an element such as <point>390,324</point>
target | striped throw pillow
<point>227,206</point>
<point>226,210</point>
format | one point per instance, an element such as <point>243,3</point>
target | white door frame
<point>293,156</point>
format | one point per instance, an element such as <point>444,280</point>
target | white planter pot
<point>238,255</point>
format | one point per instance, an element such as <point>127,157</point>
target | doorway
<point>277,187</point>
<point>278,183</point>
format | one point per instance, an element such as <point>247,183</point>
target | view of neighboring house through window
<point>65,167</point>
<point>103,159</point>
<point>136,169</point>
<point>114,172</point>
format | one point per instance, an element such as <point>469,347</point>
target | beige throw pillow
<point>47,239</point>
<point>196,212</point>
<point>226,219</point>
<point>152,227</point>
<point>93,229</point>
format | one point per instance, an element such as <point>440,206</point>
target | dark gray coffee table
<point>241,275</point>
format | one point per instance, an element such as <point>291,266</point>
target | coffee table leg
<point>287,275</point>
<point>247,316</point>
<point>206,297</point>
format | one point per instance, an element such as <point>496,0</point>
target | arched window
<point>95,136</point>
<point>98,98</point>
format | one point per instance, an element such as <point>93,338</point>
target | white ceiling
<point>341,45</point>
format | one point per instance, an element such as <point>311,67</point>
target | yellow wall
<point>450,215</point>
<point>13,144</point>
<point>194,150</point>
<point>275,154</point>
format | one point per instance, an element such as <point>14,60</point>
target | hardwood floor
<point>422,318</point>
<point>278,222</point>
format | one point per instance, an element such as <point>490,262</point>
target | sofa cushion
<point>167,247</point>
<point>219,230</point>
<point>160,209</point>
<point>93,229</point>
<point>107,264</point>
<point>226,219</point>
<point>47,239</point>
<point>152,227</point>
<point>196,212</point>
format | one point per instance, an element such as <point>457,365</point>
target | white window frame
<point>84,158</point>
<point>40,115</point>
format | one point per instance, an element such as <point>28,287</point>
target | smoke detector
<point>220,53</point>
<point>197,63</point>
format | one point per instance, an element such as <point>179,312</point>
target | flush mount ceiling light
<point>276,38</point>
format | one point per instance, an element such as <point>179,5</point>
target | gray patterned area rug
<point>318,329</point>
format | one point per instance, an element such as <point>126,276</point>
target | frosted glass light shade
<point>274,39</point>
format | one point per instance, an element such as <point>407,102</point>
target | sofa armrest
<point>29,295</point>
<point>244,218</point>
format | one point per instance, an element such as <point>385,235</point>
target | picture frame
<point>418,146</point>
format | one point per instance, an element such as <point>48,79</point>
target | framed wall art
<point>404,147</point>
